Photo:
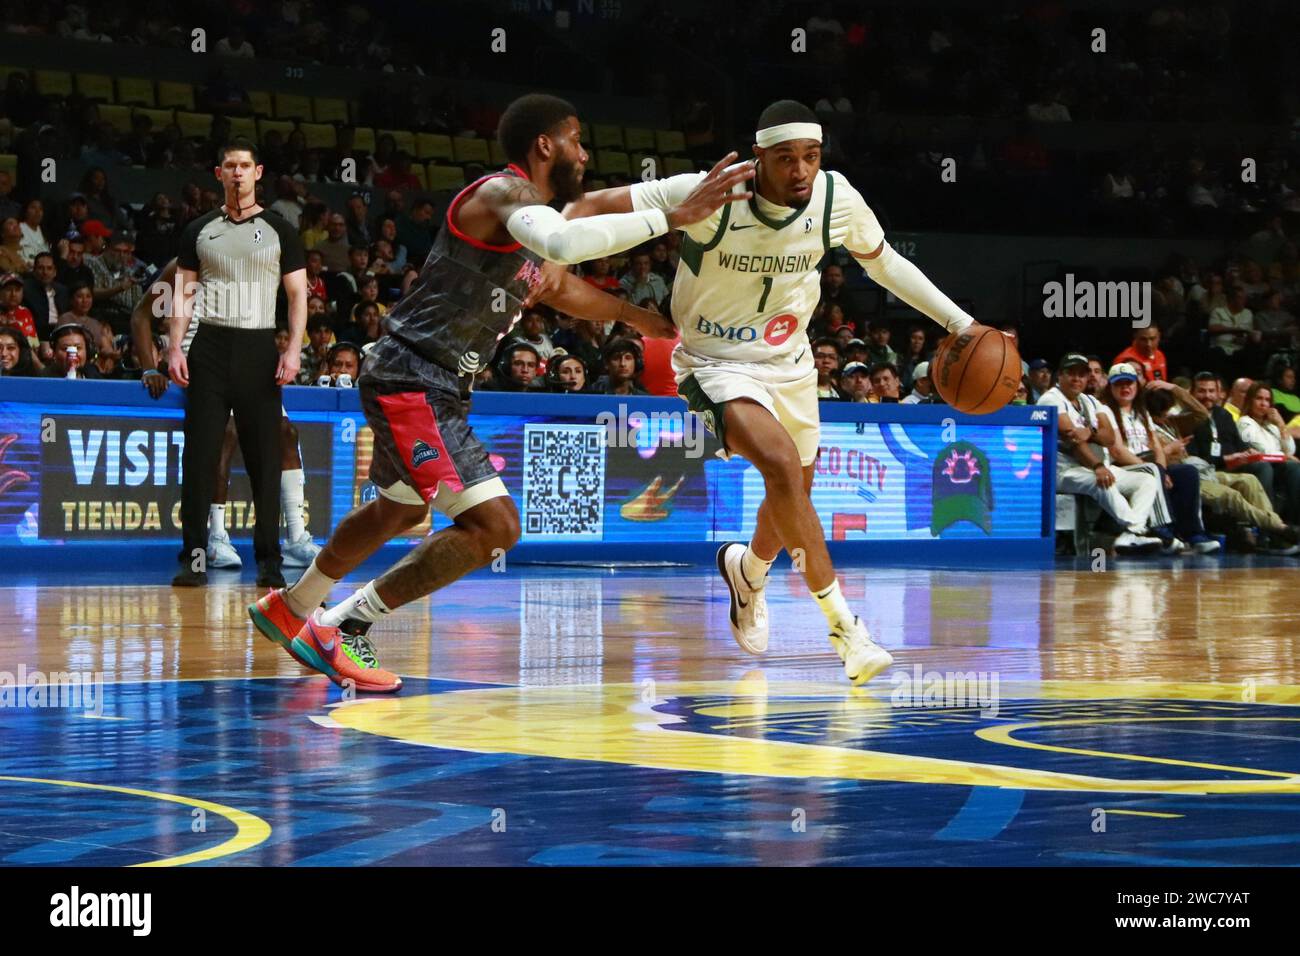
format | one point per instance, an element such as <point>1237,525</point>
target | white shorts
<point>786,387</point>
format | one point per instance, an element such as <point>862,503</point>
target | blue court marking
<point>986,813</point>
<point>453,819</point>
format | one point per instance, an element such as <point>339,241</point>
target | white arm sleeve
<point>569,241</point>
<point>909,283</point>
<point>664,193</point>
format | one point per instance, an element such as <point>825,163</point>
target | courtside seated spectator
<point>884,383</point>
<point>315,357</point>
<point>1234,503</point>
<point>65,339</point>
<point>13,313</point>
<point>1136,446</point>
<point>1264,432</point>
<point>855,383</point>
<point>516,368</point>
<point>12,259</point>
<point>43,294</point>
<point>622,358</point>
<point>532,329</point>
<point>16,358</point>
<point>923,387</point>
<point>566,374</point>
<point>334,249</point>
<point>1082,460</point>
<point>826,358</point>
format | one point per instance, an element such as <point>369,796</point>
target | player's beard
<point>566,182</point>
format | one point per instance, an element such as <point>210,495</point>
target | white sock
<point>217,519</point>
<point>833,605</point>
<point>364,605</point>
<point>305,595</point>
<point>754,568</point>
<point>291,484</point>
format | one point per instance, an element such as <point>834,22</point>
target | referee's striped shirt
<point>240,266</point>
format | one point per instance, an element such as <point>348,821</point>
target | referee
<point>231,264</point>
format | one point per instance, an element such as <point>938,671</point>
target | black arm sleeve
<point>292,255</point>
<point>187,256</point>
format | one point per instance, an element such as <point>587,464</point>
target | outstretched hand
<point>712,192</point>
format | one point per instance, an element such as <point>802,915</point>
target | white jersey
<point>747,282</point>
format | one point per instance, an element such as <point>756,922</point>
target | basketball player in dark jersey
<point>484,268</point>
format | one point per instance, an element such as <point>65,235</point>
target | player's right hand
<point>155,383</point>
<point>178,368</point>
<point>712,191</point>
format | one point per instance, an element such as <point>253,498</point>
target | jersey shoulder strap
<point>692,252</point>
<point>826,211</point>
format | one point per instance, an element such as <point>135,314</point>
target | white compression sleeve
<point>569,241</point>
<point>663,193</point>
<point>909,283</point>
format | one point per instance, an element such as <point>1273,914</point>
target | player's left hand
<point>550,283</point>
<point>287,369</point>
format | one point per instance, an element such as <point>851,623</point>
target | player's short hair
<point>238,144</point>
<point>786,111</point>
<point>527,118</point>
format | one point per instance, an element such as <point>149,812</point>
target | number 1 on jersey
<point>767,289</point>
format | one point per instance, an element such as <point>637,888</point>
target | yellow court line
<point>1147,813</point>
<point>1002,735</point>
<point>250,830</point>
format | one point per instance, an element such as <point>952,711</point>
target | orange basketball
<point>976,371</point>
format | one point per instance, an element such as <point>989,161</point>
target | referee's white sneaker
<point>221,553</point>
<point>299,553</point>
<point>748,615</point>
<point>863,658</point>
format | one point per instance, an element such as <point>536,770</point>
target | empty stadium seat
<point>53,83</point>
<point>497,153</point>
<point>291,106</point>
<point>404,139</point>
<point>261,102</point>
<point>194,125</point>
<point>432,146</point>
<point>444,178</point>
<point>95,86</point>
<point>669,142</point>
<point>465,149</point>
<point>607,136</point>
<point>676,164</point>
<point>264,126</point>
<point>119,117</point>
<point>363,139</point>
<point>327,109</point>
<point>639,171</point>
<point>319,135</point>
<point>612,161</point>
<point>161,119</point>
<point>244,126</point>
<point>9,163</point>
<point>638,140</point>
<point>421,175</point>
<point>135,91</point>
<point>178,95</point>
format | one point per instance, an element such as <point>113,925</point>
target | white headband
<point>788,131</point>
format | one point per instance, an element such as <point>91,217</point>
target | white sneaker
<point>299,553</point>
<point>748,605</point>
<point>863,658</point>
<point>1173,546</point>
<point>221,553</point>
<point>1130,541</point>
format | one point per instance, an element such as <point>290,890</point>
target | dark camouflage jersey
<point>467,296</point>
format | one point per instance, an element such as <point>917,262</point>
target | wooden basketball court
<point>564,715</point>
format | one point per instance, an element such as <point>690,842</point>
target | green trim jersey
<point>748,281</point>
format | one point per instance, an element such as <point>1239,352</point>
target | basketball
<point>976,371</point>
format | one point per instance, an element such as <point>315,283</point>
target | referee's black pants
<point>232,369</point>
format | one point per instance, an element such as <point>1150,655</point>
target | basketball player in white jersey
<point>745,290</point>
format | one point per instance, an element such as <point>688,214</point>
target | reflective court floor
<point>568,715</point>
